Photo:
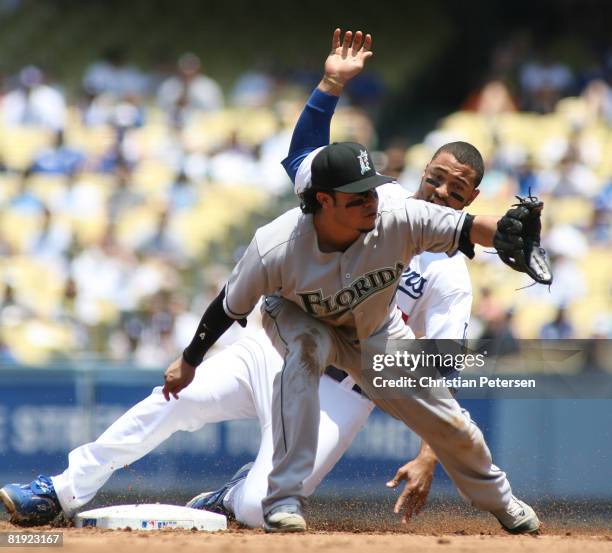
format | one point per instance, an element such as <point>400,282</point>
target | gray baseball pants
<point>308,346</point>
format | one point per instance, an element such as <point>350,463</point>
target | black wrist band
<point>465,244</point>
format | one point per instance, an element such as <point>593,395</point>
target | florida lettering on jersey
<point>284,260</point>
<point>353,294</point>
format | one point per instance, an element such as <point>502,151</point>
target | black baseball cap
<point>345,167</point>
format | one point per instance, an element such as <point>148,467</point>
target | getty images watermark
<point>529,369</point>
<point>417,363</point>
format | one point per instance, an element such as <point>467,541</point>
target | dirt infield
<point>433,532</point>
<point>119,542</point>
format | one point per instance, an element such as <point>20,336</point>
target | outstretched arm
<point>516,237</point>
<point>483,230</point>
<point>346,59</point>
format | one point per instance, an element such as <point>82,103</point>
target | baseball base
<point>154,516</point>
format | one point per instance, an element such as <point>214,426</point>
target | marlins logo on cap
<point>341,166</point>
<point>364,161</point>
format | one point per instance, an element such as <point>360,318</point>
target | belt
<point>339,375</point>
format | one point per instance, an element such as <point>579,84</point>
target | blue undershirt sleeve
<point>311,131</point>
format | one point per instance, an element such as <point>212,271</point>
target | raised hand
<point>346,59</point>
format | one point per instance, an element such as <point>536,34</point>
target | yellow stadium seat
<point>8,186</point>
<point>569,211</point>
<point>36,341</point>
<point>584,314</point>
<point>47,187</point>
<point>19,228</point>
<point>135,224</point>
<point>574,110</point>
<point>491,205</point>
<point>209,131</point>
<point>89,230</point>
<point>211,218</point>
<point>530,316</point>
<point>151,139</point>
<point>104,182</point>
<point>418,156</point>
<point>471,127</point>
<point>597,266</point>
<point>38,285</point>
<point>107,312</point>
<point>93,141</point>
<point>255,126</point>
<point>20,144</point>
<point>152,178</point>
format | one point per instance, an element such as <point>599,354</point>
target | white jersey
<point>435,295</point>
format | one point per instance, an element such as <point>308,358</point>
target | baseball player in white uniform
<point>314,312</point>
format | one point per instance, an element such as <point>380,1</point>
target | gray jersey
<point>354,289</point>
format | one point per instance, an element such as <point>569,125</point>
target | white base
<point>152,516</point>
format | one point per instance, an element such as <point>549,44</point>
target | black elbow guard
<point>213,324</point>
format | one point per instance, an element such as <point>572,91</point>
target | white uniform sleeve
<point>247,283</point>
<point>433,228</point>
<point>303,177</point>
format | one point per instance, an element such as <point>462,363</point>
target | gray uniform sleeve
<point>433,228</point>
<point>247,283</point>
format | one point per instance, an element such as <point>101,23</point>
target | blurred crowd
<point>124,209</point>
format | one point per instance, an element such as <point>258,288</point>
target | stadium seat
<point>19,144</point>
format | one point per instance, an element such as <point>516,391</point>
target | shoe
<point>518,518</point>
<point>31,504</point>
<point>285,518</point>
<point>213,501</point>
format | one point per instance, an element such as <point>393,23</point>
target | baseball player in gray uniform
<point>351,253</point>
<point>329,272</point>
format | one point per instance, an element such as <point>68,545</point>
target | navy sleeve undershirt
<point>311,130</point>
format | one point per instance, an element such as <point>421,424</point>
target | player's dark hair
<point>309,202</point>
<point>466,154</point>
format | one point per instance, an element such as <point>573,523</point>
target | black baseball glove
<point>517,240</point>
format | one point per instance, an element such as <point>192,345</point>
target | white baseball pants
<point>237,383</point>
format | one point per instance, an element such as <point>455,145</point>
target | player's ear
<point>325,199</point>
<point>473,196</point>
